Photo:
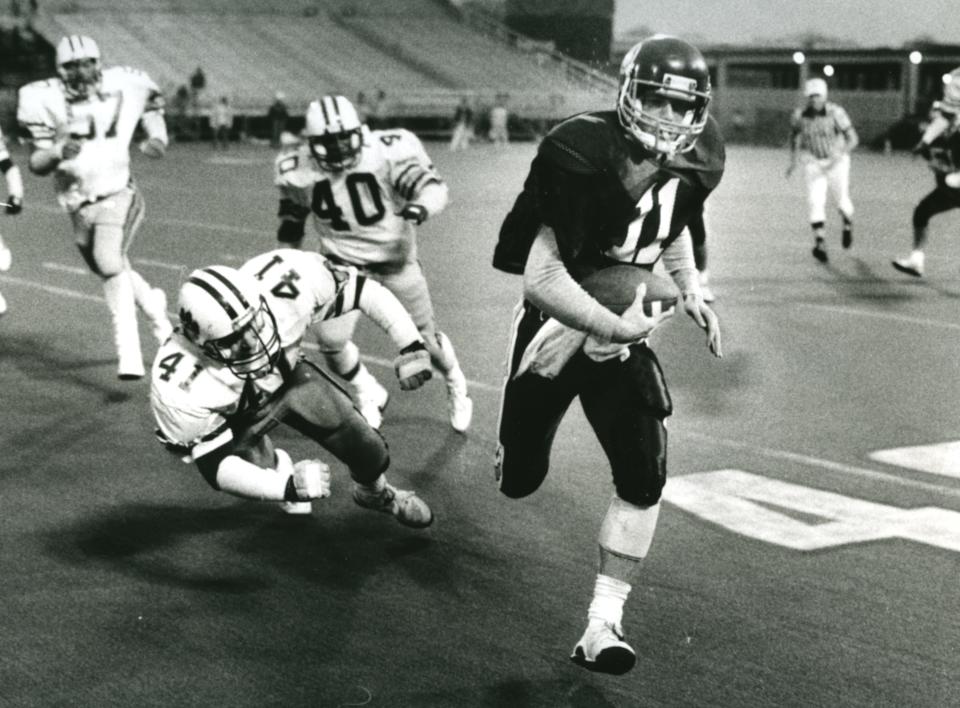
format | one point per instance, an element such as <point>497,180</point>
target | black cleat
<point>847,238</point>
<point>820,252</point>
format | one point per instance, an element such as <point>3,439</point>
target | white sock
<point>609,594</point>
<point>118,292</point>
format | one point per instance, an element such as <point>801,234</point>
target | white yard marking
<point>938,458</point>
<point>893,317</point>
<point>740,502</point>
<point>76,270</point>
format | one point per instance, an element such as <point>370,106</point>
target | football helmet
<point>78,63</point>
<point>334,132</point>
<point>223,312</point>
<point>663,70</point>
<point>951,93</point>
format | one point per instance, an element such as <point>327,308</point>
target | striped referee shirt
<point>824,133</point>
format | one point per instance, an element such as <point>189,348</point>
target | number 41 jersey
<point>355,210</point>
<point>103,123</point>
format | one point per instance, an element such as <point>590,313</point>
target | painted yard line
<point>812,461</point>
<point>882,315</point>
<point>161,264</point>
<point>76,270</point>
<point>227,228</point>
<point>938,458</point>
<point>65,292</point>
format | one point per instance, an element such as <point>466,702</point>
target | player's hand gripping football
<point>707,319</point>
<point>413,366</point>
<point>70,149</point>
<point>635,324</point>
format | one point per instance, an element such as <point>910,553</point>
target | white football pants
<point>824,175</point>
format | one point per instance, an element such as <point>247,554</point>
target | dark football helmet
<point>658,70</point>
<point>334,132</point>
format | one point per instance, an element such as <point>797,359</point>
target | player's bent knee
<point>639,478</point>
<point>519,475</point>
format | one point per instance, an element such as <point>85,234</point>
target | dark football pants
<point>311,403</point>
<point>941,199</point>
<point>624,401</point>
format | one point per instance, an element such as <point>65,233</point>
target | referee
<point>822,137</point>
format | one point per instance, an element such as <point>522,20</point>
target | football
<point>616,286</point>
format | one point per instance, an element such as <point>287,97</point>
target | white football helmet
<point>78,63</point>
<point>657,70</point>
<point>224,313</point>
<point>334,133</point>
<point>951,93</point>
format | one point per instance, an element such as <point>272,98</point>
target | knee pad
<point>639,479</point>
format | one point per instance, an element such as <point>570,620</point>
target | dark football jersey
<point>605,199</point>
<point>944,152</point>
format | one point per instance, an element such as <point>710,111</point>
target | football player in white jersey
<point>233,370</point>
<point>13,205</point>
<point>368,190</point>
<point>80,125</point>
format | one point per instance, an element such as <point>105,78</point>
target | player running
<point>233,371</point>
<point>605,188</point>
<point>80,125</point>
<point>13,205</point>
<point>368,190</point>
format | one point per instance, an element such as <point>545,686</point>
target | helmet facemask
<point>78,64</point>
<point>334,133</point>
<point>253,349</point>
<point>641,107</point>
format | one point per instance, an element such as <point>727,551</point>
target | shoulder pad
<point>129,76</point>
<point>708,157</point>
<point>585,143</point>
<point>398,143</point>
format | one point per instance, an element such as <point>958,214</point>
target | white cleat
<point>602,649</point>
<point>459,403</point>
<point>296,508</point>
<point>910,266</point>
<point>130,369</point>
<point>156,310</point>
<point>6,259</point>
<point>3,304</point>
<point>409,509</point>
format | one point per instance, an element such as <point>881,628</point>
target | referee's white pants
<point>831,175</point>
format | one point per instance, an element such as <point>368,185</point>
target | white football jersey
<point>104,123</point>
<point>191,395</point>
<point>355,211</point>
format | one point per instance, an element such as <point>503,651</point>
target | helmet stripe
<point>216,295</point>
<point>230,286</point>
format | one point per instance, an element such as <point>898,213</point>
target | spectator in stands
<point>363,107</point>
<point>277,115</point>
<point>462,126</point>
<point>180,109</point>
<point>222,123</point>
<point>198,82</point>
<point>498,121</point>
<point>378,111</point>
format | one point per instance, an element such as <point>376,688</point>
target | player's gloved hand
<point>413,366</point>
<point>952,180</point>
<point>70,149</point>
<point>153,147</point>
<point>634,323</point>
<point>14,204</point>
<point>311,480</point>
<point>707,319</point>
<point>417,213</point>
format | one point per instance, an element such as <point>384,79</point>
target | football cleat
<point>409,509</point>
<point>602,649</point>
<point>910,266</point>
<point>820,251</point>
<point>6,258</point>
<point>459,404</point>
<point>130,368</point>
<point>847,236</point>
<point>3,304</point>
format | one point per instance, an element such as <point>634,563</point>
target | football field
<point>808,551</point>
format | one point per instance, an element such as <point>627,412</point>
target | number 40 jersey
<point>355,210</point>
<point>104,123</point>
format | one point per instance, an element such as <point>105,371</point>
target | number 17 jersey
<point>355,210</point>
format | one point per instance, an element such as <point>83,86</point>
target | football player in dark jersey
<point>604,188</point>
<point>940,146</point>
